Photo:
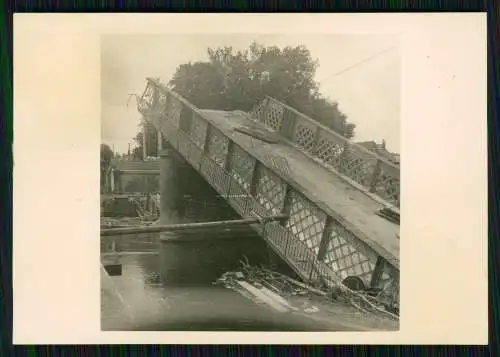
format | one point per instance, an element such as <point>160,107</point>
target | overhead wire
<point>356,64</point>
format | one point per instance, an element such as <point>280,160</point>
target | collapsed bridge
<point>275,161</point>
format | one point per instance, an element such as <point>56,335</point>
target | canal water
<point>149,301</point>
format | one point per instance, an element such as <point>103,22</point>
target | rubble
<point>265,286</point>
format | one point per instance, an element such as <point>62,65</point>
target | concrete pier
<point>172,248</point>
<point>171,186</point>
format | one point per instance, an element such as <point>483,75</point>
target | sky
<point>368,93</point>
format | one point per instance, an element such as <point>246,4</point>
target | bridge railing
<point>333,151</point>
<point>318,245</point>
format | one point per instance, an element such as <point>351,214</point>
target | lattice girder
<point>270,190</point>
<point>387,184</point>
<point>147,98</point>
<point>359,166</point>
<point>330,149</point>
<point>199,129</point>
<point>217,146</point>
<point>259,110</point>
<point>173,112</point>
<point>348,256</point>
<point>273,117</point>
<point>306,220</point>
<point>184,144</point>
<point>162,103</point>
<point>305,136</point>
<point>241,166</point>
<point>389,283</point>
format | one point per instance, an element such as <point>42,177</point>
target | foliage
<point>201,83</point>
<point>106,157</point>
<point>152,141</point>
<point>137,150</point>
<point>237,80</point>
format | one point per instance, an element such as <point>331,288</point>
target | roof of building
<point>380,150</point>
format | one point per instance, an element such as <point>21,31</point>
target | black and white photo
<point>250,182</point>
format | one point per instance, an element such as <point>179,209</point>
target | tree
<point>151,140</point>
<point>201,83</point>
<point>328,114</point>
<point>106,157</point>
<point>237,80</point>
<point>137,152</point>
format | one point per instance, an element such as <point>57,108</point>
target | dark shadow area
<point>118,207</point>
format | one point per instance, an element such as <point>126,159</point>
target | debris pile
<point>284,288</point>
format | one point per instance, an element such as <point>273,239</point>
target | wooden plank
<point>261,296</point>
<point>279,299</point>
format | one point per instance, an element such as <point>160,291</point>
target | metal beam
<point>139,172</point>
<point>326,236</point>
<point>187,226</point>
<point>377,272</point>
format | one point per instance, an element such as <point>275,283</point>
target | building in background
<point>381,150</point>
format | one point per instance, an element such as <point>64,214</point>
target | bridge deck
<point>351,204</point>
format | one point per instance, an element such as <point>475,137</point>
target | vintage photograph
<point>250,182</point>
